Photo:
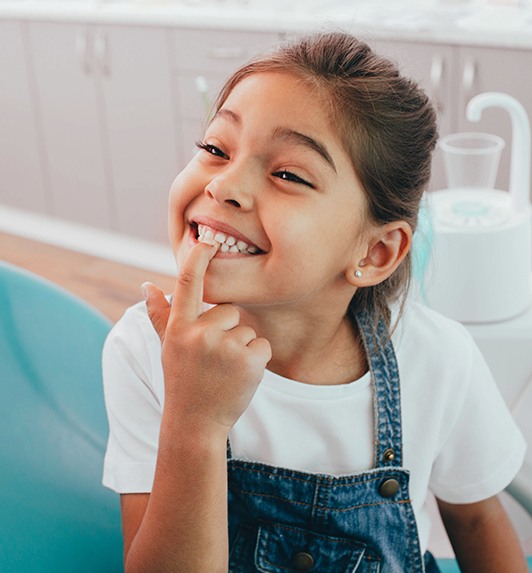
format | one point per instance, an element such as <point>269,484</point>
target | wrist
<point>189,428</point>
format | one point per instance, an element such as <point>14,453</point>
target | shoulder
<point>132,351</point>
<point>133,331</point>
<point>439,363</point>
<point>134,397</point>
<point>428,335</point>
<point>453,412</point>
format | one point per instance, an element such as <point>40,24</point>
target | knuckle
<point>186,277</point>
<point>230,312</point>
<point>207,338</point>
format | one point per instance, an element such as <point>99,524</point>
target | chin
<point>213,296</point>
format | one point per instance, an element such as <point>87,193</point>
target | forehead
<point>282,98</point>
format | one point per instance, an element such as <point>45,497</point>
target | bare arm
<point>482,537</point>
<point>212,366</point>
<point>182,524</point>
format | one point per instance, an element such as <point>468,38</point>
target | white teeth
<point>228,243</point>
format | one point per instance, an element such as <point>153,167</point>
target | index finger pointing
<point>188,294</point>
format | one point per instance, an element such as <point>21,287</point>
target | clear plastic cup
<point>471,159</point>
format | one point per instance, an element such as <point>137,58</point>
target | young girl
<point>284,411</point>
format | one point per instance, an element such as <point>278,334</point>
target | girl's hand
<point>212,365</point>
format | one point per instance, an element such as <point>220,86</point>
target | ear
<point>386,248</point>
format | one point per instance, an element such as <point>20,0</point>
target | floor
<point>109,286</point>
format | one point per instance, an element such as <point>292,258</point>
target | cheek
<point>181,187</point>
<point>183,192</point>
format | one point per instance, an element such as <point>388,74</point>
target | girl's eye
<point>212,149</point>
<point>288,176</point>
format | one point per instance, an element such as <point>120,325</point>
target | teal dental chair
<point>55,516</point>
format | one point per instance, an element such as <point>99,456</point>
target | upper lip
<point>223,228</point>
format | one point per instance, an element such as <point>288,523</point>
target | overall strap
<point>228,450</point>
<point>386,389</point>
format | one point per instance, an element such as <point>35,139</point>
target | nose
<point>231,190</point>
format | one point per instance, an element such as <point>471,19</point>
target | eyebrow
<point>228,114</point>
<point>299,138</point>
<point>286,134</point>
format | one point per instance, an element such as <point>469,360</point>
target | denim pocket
<point>287,549</point>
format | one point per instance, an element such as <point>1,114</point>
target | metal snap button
<point>388,455</point>
<point>389,487</point>
<point>303,561</point>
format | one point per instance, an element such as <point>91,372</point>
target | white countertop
<point>466,23</point>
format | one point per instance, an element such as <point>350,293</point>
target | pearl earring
<point>358,274</point>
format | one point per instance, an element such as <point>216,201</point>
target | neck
<point>310,347</point>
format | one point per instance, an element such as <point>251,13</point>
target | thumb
<point>158,308</point>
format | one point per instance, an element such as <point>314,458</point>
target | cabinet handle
<point>101,52</point>
<point>227,53</point>
<point>83,53</point>
<point>202,88</point>
<point>468,79</point>
<point>437,69</point>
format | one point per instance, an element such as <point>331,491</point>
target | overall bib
<point>285,521</point>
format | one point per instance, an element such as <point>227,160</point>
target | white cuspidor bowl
<point>480,265</point>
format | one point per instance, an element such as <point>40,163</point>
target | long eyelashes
<point>289,176</point>
<point>212,149</point>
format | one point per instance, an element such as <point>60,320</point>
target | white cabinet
<point>69,102</point>
<point>207,58</point>
<point>139,117</point>
<point>105,100</point>
<point>23,181</point>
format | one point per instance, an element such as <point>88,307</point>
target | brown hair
<point>385,122</point>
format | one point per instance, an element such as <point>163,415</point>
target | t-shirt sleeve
<point>131,368</point>
<point>483,449</point>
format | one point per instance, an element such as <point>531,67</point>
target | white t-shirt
<point>459,439</point>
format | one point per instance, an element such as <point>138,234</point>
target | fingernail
<point>145,290</point>
<point>211,242</point>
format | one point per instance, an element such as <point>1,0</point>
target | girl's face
<point>272,177</point>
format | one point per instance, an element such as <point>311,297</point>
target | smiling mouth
<point>228,243</point>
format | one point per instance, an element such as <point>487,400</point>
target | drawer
<point>218,50</point>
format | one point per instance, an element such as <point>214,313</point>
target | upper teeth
<point>228,243</point>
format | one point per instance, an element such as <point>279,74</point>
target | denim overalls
<point>285,521</point>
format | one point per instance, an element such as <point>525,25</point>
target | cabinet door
<point>23,177</point>
<point>203,59</point>
<point>495,69</point>
<point>135,75</point>
<point>431,65</point>
<point>69,104</point>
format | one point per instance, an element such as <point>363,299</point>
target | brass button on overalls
<point>388,455</point>
<point>389,487</point>
<point>303,561</point>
